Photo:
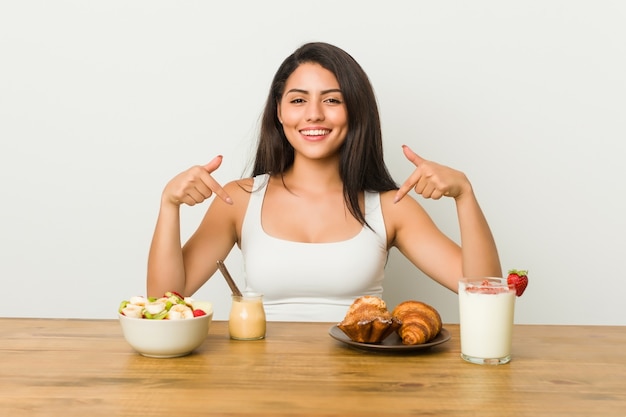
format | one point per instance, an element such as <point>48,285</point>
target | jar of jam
<point>247,317</point>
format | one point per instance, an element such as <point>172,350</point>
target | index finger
<point>217,188</point>
<point>210,181</point>
<point>406,187</point>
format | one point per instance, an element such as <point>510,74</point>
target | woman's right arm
<point>166,265</point>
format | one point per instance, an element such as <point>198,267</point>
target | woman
<point>320,213</point>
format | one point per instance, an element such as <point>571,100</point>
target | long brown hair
<point>361,167</point>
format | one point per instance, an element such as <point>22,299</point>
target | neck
<point>314,175</point>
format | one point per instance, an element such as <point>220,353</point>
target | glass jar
<point>247,317</point>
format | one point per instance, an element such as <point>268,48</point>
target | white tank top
<point>312,281</point>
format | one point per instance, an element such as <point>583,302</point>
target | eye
<point>333,100</point>
<point>297,101</point>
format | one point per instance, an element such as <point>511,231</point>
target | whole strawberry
<point>519,280</point>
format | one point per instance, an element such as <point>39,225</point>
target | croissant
<point>368,320</point>
<point>420,322</point>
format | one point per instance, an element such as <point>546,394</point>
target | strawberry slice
<point>169,294</point>
<point>197,312</point>
<point>485,287</point>
<point>519,280</point>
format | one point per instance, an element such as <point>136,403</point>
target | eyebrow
<point>298,90</point>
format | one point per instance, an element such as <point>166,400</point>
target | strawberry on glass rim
<point>518,279</point>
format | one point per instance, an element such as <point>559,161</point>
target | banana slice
<point>180,311</point>
<point>205,306</point>
<point>133,310</point>
<point>155,307</point>
<point>138,300</point>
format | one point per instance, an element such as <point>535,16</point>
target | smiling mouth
<point>315,132</point>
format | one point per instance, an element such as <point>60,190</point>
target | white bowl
<point>165,338</point>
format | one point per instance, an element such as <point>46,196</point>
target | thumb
<point>412,156</point>
<point>214,164</point>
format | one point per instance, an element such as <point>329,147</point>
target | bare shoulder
<point>240,186</point>
<point>405,214</point>
<point>407,205</point>
<point>239,192</point>
<point>227,218</point>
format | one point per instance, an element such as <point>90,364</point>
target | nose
<point>314,112</point>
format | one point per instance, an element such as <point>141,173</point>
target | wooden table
<point>51,367</point>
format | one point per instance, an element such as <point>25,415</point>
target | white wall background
<point>102,102</point>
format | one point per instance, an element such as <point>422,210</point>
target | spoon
<point>229,279</point>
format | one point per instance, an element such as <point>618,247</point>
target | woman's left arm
<point>418,238</point>
<point>478,248</point>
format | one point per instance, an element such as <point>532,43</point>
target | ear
<point>278,113</point>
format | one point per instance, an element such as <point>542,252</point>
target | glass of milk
<point>247,317</point>
<point>486,309</point>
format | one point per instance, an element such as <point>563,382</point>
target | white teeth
<point>316,132</point>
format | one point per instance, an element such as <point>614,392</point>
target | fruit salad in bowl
<point>172,306</point>
<point>165,327</point>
